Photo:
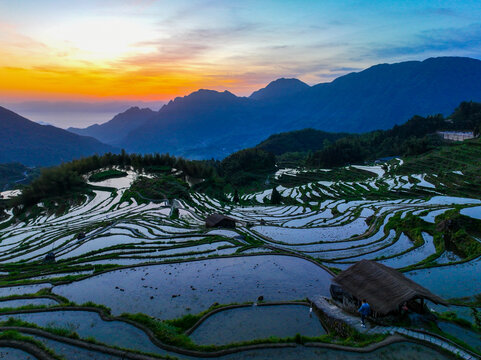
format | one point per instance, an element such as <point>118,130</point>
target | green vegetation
<point>452,317</point>
<point>276,198</point>
<point>442,162</point>
<point>468,116</point>
<point>107,174</point>
<point>171,332</point>
<point>248,167</point>
<point>66,180</point>
<point>160,188</point>
<point>412,226</point>
<point>165,332</point>
<point>298,141</point>
<point>413,137</point>
<point>54,182</point>
<point>458,232</point>
<point>15,335</point>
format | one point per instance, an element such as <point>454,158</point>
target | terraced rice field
<point>137,258</point>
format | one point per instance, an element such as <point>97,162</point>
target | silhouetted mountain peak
<point>201,98</point>
<point>279,88</point>
<point>132,109</point>
<point>114,130</point>
<point>204,95</point>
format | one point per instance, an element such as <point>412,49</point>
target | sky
<point>93,52</point>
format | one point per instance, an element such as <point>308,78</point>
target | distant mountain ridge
<point>113,131</point>
<point>209,124</point>
<point>32,144</point>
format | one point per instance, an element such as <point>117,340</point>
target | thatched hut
<point>218,220</point>
<point>384,288</point>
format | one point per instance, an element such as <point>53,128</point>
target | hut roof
<point>384,288</point>
<point>214,219</point>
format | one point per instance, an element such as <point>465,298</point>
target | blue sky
<point>147,50</point>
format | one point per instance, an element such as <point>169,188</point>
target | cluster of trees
<point>467,116</point>
<point>163,187</point>
<point>140,163</point>
<point>415,137</point>
<point>276,197</point>
<point>52,182</point>
<point>247,166</point>
<point>298,141</point>
<point>67,177</point>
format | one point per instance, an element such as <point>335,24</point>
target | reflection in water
<point>257,322</point>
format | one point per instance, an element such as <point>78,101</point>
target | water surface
<point>23,302</point>
<point>470,337</point>
<point>398,351</point>
<point>172,290</point>
<point>7,353</point>
<point>89,324</point>
<point>451,281</point>
<point>257,322</point>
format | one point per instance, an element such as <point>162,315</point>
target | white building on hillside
<point>456,135</point>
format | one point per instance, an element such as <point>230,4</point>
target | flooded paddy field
<point>135,257</point>
<point>399,351</point>
<point>89,324</point>
<point>460,280</point>
<point>172,290</point>
<point>257,322</point>
<point>25,302</point>
<point>74,352</point>
<point>9,353</point>
<point>468,336</point>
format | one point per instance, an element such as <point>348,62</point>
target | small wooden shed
<point>219,220</point>
<point>384,288</point>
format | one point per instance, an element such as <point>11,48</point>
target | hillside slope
<point>32,144</point>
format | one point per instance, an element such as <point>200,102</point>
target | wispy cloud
<point>462,40</point>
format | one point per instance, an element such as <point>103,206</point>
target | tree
<point>276,197</point>
<point>236,197</point>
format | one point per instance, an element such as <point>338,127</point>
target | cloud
<point>465,40</point>
<point>443,11</point>
<point>16,48</point>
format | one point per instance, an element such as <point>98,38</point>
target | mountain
<point>196,126</point>
<point>209,124</point>
<point>279,88</point>
<point>388,94</point>
<point>113,131</point>
<point>32,144</point>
